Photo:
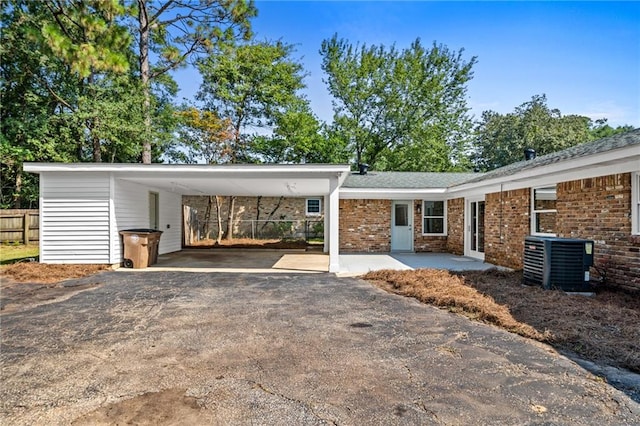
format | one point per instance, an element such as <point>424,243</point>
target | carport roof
<point>201,179</point>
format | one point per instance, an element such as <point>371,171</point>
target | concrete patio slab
<point>358,264</point>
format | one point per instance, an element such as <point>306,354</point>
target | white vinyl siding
<point>74,215</point>
<point>132,211</point>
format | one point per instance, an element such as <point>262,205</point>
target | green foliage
<point>600,129</point>
<point>401,109</point>
<point>298,137</point>
<point>500,139</point>
<point>254,85</point>
<point>86,35</point>
<point>175,32</point>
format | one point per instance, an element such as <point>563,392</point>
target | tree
<point>54,58</point>
<point>205,136</point>
<point>601,129</point>
<point>176,31</point>
<point>251,85</point>
<point>387,101</point>
<point>501,139</point>
<point>298,137</point>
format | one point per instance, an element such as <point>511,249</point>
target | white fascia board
<point>612,162</point>
<point>329,169</point>
<point>393,194</point>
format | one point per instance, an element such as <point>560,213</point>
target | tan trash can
<point>140,247</point>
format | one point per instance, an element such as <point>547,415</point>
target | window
<point>154,213</point>
<point>314,207</point>
<point>543,215</point>
<point>434,217</point>
<point>635,203</point>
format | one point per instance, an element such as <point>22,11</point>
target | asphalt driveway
<point>196,348</point>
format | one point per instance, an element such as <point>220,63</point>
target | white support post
<point>327,235</point>
<point>334,208</point>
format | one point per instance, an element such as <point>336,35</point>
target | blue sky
<point>585,56</point>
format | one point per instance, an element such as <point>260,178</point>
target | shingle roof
<point>426,180</point>
<point>408,180</point>
<point>588,148</point>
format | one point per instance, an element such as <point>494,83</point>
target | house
<point>588,191</point>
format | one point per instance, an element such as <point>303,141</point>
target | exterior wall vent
<point>561,263</point>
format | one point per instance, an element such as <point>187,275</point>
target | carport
<point>83,206</point>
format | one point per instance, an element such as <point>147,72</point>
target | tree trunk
<point>232,203</point>
<point>207,217</point>
<point>219,215</point>
<point>17,198</point>
<point>145,72</point>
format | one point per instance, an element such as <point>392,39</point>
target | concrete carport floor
<point>286,261</point>
<point>201,348</point>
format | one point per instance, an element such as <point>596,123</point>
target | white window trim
<point>444,219</point>
<point>534,211</point>
<point>635,203</point>
<point>306,207</point>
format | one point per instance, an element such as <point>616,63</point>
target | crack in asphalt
<point>294,400</point>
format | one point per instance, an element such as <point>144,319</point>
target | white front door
<point>402,226</point>
<point>474,236</point>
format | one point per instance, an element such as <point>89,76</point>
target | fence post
<point>253,229</point>
<point>27,220</point>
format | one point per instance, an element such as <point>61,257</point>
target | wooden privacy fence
<point>19,225</point>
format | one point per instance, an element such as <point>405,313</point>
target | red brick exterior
<point>455,226</point>
<point>365,226</point>
<point>425,243</point>
<point>249,209</point>
<point>599,209</point>
<point>507,223</point>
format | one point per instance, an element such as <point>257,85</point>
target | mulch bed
<point>603,328</point>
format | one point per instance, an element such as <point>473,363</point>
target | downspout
<point>501,203</point>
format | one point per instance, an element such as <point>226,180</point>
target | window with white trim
<point>543,211</point>
<point>154,210</point>
<point>635,203</point>
<point>314,207</point>
<point>434,217</point>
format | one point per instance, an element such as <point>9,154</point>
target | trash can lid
<point>140,231</point>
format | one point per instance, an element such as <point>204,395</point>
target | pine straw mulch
<point>245,243</point>
<point>34,272</point>
<point>604,328</point>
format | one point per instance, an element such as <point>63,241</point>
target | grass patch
<point>10,253</point>
<point>603,328</point>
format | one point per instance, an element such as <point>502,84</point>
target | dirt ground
<point>251,243</point>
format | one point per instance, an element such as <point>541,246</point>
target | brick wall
<point>599,209</point>
<point>507,223</point>
<point>365,225</point>
<point>251,208</point>
<point>455,226</point>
